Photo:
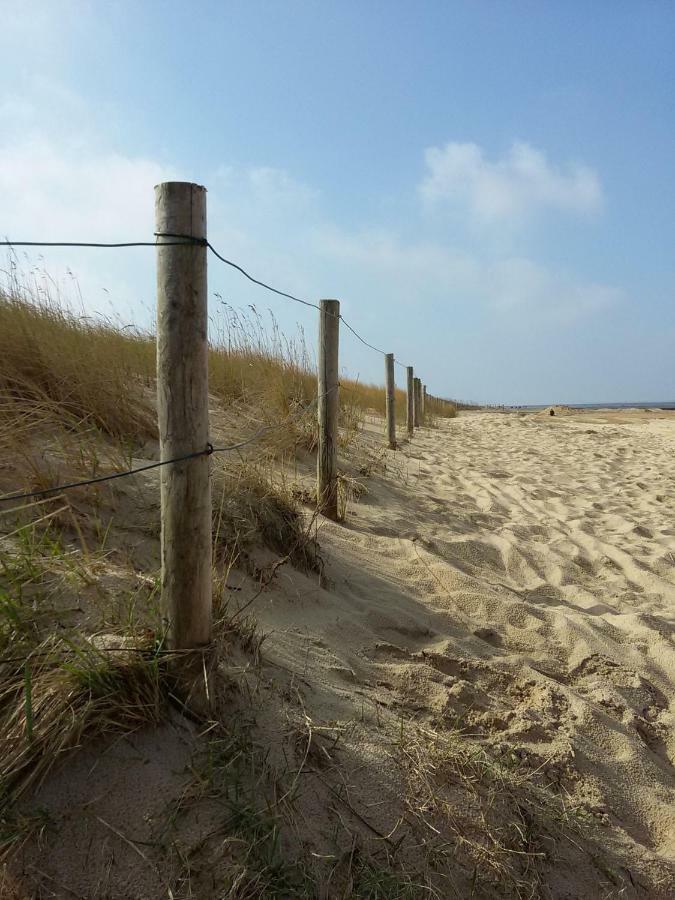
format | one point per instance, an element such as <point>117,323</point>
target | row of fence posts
<point>183,414</point>
<point>329,404</point>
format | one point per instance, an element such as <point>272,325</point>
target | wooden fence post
<point>410,402</point>
<point>390,399</point>
<point>416,402</point>
<point>183,415</point>
<point>328,407</point>
<point>424,401</point>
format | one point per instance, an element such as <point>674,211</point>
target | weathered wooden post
<point>390,399</point>
<point>410,402</point>
<point>328,407</point>
<point>183,415</point>
<point>424,401</point>
<point>416,402</point>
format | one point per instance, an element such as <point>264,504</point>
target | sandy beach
<point>514,575</point>
<point>485,669</point>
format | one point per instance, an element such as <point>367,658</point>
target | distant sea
<point>660,404</point>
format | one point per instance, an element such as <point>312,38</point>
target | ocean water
<point>660,404</point>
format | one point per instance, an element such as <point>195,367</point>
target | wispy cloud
<point>419,274</point>
<point>523,289</point>
<point>511,189</point>
<point>56,188</point>
<point>61,194</point>
<point>272,187</point>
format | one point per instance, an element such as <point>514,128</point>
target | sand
<point>532,561</point>
<point>509,577</point>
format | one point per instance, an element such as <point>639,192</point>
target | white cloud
<point>278,187</point>
<point>510,189</point>
<point>385,255</point>
<point>61,190</point>
<point>61,194</point>
<point>263,196</point>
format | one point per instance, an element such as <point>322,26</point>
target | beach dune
<point>529,561</point>
<point>483,678</point>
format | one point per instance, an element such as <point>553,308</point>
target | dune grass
<point>86,370</point>
<point>90,371</point>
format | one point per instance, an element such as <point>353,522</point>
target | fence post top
<point>176,185</point>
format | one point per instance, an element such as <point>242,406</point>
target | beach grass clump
<point>64,691</point>
<point>441,409</point>
<point>253,505</point>
<point>82,371</point>
<point>252,363</point>
<point>497,823</point>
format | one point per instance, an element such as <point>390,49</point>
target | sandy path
<point>531,561</point>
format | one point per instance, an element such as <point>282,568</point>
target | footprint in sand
<point>627,696</point>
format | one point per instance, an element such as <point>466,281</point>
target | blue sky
<point>488,187</point>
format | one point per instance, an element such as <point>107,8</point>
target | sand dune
<point>530,563</point>
<point>492,646</point>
